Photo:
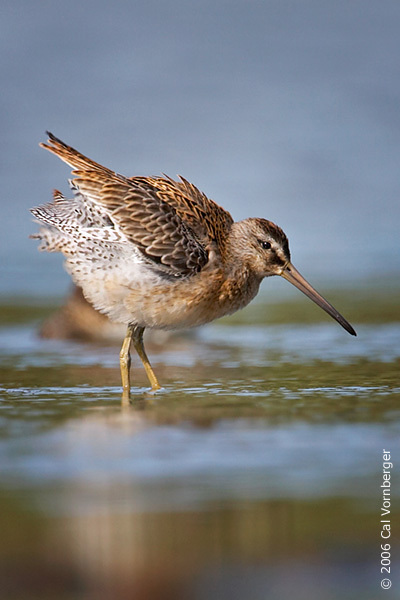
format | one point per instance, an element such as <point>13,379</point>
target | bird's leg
<point>137,340</point>
<point>125,362</point>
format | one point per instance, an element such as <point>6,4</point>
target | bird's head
<point>264,248</point>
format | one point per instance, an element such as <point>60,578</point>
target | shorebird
<point>152,252</point>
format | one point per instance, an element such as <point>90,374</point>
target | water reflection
<point>85,457</point>
<point>236,549</point>
<point>245,476</point>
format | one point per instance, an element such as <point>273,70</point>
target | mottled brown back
<point>172,223</point>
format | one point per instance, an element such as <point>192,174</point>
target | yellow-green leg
<point>125,363</point>
<point>137,340</point>
<point>134,335</point>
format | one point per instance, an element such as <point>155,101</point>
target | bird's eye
<point>265,245</point>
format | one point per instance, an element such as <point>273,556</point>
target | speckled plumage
<point>154,252</point>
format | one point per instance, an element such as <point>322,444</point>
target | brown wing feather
<point>72,157</point>
<point>171,222</point>
<point>207,219</point>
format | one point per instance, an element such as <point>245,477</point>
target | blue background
<point>282,109</point>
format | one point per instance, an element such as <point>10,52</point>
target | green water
<point>254,474</point>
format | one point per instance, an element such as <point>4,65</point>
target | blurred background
<point>256,473</point>
<point>281,109</point>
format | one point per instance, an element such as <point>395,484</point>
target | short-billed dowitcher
<point>154,252</point>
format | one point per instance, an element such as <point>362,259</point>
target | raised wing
<point>172,223</point>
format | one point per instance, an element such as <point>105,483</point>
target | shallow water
<point>255,473</point>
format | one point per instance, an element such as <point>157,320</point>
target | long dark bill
<point>293,276</point>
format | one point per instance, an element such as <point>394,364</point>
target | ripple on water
<point>230,346</point>
<point>241,459</point>
<point>300,343</point>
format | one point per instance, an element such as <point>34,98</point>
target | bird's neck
<point>240,283</point>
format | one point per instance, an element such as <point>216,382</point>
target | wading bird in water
<point>156,253</point>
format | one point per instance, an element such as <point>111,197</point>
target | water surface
<point>259,465</point>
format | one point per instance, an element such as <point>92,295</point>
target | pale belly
<point>139,295</point>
